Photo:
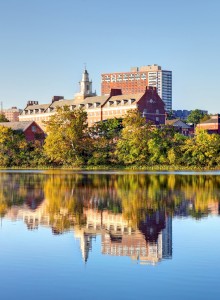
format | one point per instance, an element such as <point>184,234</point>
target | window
<point>33,128</point>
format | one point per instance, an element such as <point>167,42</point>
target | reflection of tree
<point>135,196</point>
<point>64,202</point>
<point>18,188</point>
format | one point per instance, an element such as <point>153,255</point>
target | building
<point>149,243</point>
<point>136,81</point>
<point>100,108</point>
<point>148,103</point>
<point>31,129</point>
<point>212,125</point>
<point>85,86</point>
<point>12,114</point>
<point>180,126</point>
<point>183,114</point>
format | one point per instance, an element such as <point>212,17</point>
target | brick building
<point>212,125</point>
<point>31,129</point>
<point>12,114</point>
<point>100,108</point>
<point>136,81</point>
<point>180,126</point>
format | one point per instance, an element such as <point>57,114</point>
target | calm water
<point>109,236</point>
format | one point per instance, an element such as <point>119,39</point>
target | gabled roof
<point>22,126</point>
<point>177,122</point>
<point>171,122</point>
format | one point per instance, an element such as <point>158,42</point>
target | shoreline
<point>116,168</point>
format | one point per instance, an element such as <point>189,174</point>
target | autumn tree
<point>105,135</point>
<point>68,141</point>
<point>132,146</point>
<point>13,147</point>
<point>203,150</point>
<point>160,143</point>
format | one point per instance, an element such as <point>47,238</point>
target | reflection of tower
<point>85,242</point>
<point>167,239</point>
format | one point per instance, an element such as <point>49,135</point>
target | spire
<point>85,85</point>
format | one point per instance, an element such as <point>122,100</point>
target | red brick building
<point>100,108</point>
<point>31,129</point>
<point>136,81</point>
<point>148,103</point>
<point>212,125</point>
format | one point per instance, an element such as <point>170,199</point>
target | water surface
<point>69,235</point>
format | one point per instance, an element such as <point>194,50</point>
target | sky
<point>44,45</point>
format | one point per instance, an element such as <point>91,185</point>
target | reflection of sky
<point>39,265</point>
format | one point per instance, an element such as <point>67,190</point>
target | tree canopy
<point>3,118</point>
<point>195,116</point>
<point>68,139</point>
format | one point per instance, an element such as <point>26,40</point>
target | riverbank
<point>118,168</point>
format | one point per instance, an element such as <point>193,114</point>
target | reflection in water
<point>131,212</point>
<point>150,242</point>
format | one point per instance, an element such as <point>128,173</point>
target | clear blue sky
<point>45,43</point>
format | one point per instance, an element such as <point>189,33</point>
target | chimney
<point>115,92</point>
<point>31,102</point>
<point>57,98</point>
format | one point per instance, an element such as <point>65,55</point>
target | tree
<point>159,145</point>
<point>13,148</point>
<point>195,116</point>
<point>105,135</point>
<point>203,150</point>
<point>68,141</point>
<point>132,145</point>
<point>3,118</point>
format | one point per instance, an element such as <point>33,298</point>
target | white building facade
<point>162,80</point>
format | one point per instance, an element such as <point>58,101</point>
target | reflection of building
<point>31,217</point>
<point>214,208</point>
<point>148,243</point>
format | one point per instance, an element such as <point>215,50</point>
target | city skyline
<point>46,43</point>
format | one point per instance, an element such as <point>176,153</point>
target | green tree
<point>203,150</point>
<point>3,118</point>
<point>105,135</point>
<point>68,141</point>
<point>13,146</point>
<point>195,116</point>
<point>159,145</point>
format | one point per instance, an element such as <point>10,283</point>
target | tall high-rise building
<point>137,79</point>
